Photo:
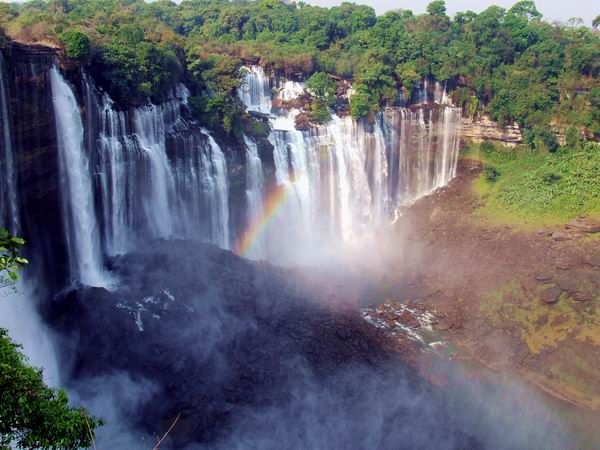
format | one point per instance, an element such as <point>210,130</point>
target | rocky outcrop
<point>34,149</point>
<point>212,333</point>
<point>484,129</point>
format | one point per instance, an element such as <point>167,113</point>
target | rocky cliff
<point>482,128</point>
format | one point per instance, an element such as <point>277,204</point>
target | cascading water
<point>215,168</point>
<point>9,213</point>
<point>343,179</point>
<point>76,186</point>
<point>255,187</point>
<point>149,126</point>
<point>151,173</point>
<point>156,177</point>
<point>256,91</point>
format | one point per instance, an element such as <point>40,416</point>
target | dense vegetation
<point>520,186</point>
<point>33,415</point>
<point>509,63</point>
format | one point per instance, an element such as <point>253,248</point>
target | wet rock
<point>585,225</point>
<point>551,295</point>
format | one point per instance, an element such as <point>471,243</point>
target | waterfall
<point>156,176</point>
<point>9,213</point>
<point>76,186</point>
<point>345,178</point>
<point>255,185</point>
<point>150,133</point>
<point>256,91</point>
<point>215,168</point>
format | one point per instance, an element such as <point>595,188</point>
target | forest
<point>507,63</point>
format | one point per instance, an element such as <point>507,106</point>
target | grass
<point>533,189</point>
<point>575,335</point>
<point>563,321</point>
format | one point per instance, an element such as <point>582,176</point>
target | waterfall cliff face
<point>345,178</point>
<point>9,213</point>
<point>95,181</point>
<point>79,212</point>
<point>156,176</point>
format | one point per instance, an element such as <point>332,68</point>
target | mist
<point>250,358</point>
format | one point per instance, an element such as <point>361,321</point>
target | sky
<point>551,9</point>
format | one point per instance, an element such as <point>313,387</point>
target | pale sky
<point>551,9</point>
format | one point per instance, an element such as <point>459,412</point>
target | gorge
<point>124,176</point>
<point>226,257</point>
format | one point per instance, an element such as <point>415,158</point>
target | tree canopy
<point>518,67</point>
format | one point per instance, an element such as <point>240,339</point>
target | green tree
<point>409,77</point>
<point>437,8</point>
<point>322,87</point>
<point>596,22</point>
<point>33,415</point>
<point>319,112</point>
<point>360,102</point>
<point>77,44</point>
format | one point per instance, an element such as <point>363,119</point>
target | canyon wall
<point>85,180</point>
<point>482,128</point>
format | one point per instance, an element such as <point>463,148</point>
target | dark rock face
<point>35,151</point>
<point>209,329</point>
<point>223,341</point>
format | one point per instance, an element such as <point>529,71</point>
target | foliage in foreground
<point>33,415</point>
<point>540,186</point>
<point>10,261</point>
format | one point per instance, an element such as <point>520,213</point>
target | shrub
<point>491,173</point>
<point>258,128</point>
<point>320,114</point>
<point>33,415</point>
<point>487,147</point>
<point>573,139</point>
<point>76,43</point>
<point>360,103</point>
<point>322,87</point>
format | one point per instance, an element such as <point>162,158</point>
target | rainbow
<point>272,203</point>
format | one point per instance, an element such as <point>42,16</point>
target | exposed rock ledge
<point>485,129</point>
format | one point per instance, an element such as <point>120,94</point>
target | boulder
<point>542,320</point>
<point>561,236</point>
<point>584,224</point>
<point>567,262</point>
<point>551,295</point>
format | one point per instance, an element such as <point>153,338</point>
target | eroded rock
<point>551,295</point>
<point>584,224</point>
